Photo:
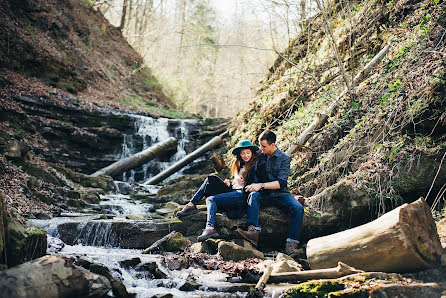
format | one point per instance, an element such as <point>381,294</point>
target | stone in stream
<point>67,280</point>
<point>232,251</point>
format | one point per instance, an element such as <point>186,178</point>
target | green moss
<point>175,242</point>
<point>311,289</point>
<point>24,243</point>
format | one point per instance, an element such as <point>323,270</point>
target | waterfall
<point>149,131</point>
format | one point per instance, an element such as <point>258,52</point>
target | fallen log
<point>293,277</point>
<point>186,160</point>
<point>52,276</point>
<point>322,118</point>
<point>402,240</point>
<point>137,159</point>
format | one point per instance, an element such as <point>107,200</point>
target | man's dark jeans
<point>286,202</point>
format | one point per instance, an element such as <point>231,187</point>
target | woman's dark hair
<point>268,135</point>
<point>238,163</point>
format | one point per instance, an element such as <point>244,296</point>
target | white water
<point>152,131</point>
<point>98,232</point>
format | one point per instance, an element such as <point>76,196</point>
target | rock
<point>176,262</point>
<point>189,286</point>
<point>232,251</point>
<point>42,173</point>
<point>135,217</point>
<point>125,188</point>
<point>91,195</point>
<point>171,205</point>
<point>176,243</point>
<point>130,263</point>
<point>164,211</point>
<point>149,198</point>
<point>15,149</point>
<point>154,269</point>
<point>66,280</point>
<point>26,242</point>
<point>103,182</point>
<point>285,263</point>
<point>118,287</point>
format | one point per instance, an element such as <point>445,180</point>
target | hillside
<point>66,75</point>
<point>384,144</point>
<point>64,48</point>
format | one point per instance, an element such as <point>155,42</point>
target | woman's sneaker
<point>209,232</point>
<point>187,210</point>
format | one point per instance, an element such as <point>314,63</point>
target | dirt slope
<point>388,137</point>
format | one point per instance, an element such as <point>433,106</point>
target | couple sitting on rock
<point>259,179</point>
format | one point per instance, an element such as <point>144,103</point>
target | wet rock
<point>118,287</point>
<point>125,188</point>
<point>135,217</point>
<point>176,262</point>
<point>232,251</point>
<point>130,263</point>
<point>149,198</point>
<point>55,245</point>
<point>67,280</point>
<point>154,269</point>
<point>189,286</point>
<point>42,214</point>
<point>91,195</point>
<point>174,241</point>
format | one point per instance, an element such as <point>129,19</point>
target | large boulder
<point>235,252</point>
<point>52,276</point>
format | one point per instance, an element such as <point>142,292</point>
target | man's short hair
<point>268,135</point>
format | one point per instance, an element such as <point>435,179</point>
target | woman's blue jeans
<point>286,202</point>
<point>224,201</point>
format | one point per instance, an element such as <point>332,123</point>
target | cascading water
<point>149,131</point>
<point>110,234</point>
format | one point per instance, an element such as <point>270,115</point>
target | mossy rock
<point>176,242</point>
<point>315,288</point>
<point>42,174</point>
<point>91,195</point>
<point>25,242</point>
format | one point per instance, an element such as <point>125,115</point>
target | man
<point>273,169</point>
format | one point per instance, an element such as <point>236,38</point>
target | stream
<point>93,241</point>
<point>118,228</point>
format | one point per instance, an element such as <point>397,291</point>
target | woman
<point>221,195</point>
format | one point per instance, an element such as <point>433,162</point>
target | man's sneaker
<point>292,249</point>
<point>252,235</point>
<point>209,232</point>
<point>187,210</point>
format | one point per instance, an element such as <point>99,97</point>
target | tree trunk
<point>135,160</point>
<point>295,277</point>
<point>322,118</point>
<point>186,160</point>
<point>123,14</point>
<point>404,239</point>
<point>52,276</point>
